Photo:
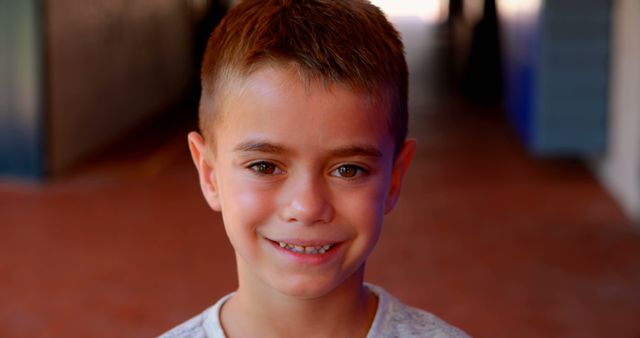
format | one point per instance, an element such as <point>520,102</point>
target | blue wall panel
<point>564,108</point>
<point>21,89</point>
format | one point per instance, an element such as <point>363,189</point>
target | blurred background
<point>519,217</point>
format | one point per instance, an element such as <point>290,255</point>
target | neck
<point>259,310</point>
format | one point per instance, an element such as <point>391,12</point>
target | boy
<point>304,118</point>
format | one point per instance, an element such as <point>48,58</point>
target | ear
<point>206,173</point>
<point>400,168</point>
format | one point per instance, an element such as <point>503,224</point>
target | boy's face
<point>303,178</point>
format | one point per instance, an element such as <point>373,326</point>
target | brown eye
<point>265,168</point>
<point>349,171</point>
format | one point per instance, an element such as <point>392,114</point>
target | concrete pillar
<point>619,169</point>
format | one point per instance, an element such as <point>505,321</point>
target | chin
<point>306,287</point>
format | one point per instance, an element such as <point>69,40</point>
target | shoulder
<point>204,325</point>
<point>192,328</point>
<point>395,319</point>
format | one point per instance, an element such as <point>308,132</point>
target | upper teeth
<point>306,249</point>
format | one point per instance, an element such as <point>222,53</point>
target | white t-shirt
<point>393,319</point>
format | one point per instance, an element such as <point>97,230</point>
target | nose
<point>308,202</point>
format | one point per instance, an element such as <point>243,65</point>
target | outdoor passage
<point>518,216</point>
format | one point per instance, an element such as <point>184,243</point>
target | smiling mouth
<point>309,250</point>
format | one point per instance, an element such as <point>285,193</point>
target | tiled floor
<point>484,236</point>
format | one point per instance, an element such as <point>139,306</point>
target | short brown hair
<point>335,41</point>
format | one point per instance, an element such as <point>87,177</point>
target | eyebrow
<point>261,146</point>
<point>348,151</point>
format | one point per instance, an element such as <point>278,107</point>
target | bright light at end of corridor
<point>515,8</point>
<point>430,11</point>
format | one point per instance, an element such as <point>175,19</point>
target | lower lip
<point>308,259</point>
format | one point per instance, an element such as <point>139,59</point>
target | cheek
<point>245,209</point>
<point>365,207</point>
<point>245,204</point>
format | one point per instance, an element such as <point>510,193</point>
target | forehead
<point>277,103</point>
